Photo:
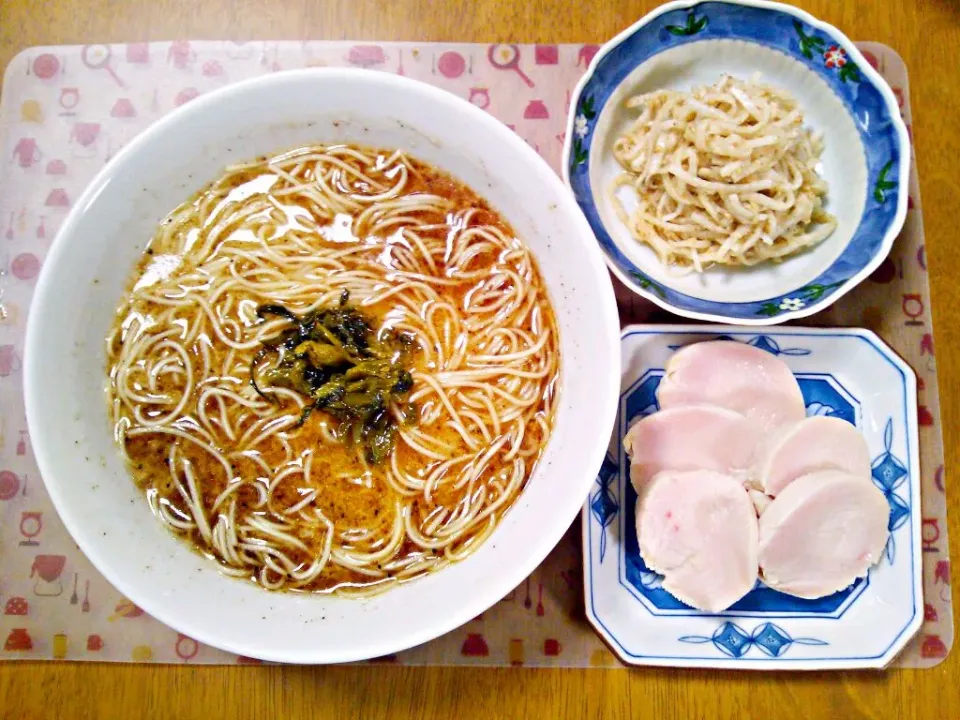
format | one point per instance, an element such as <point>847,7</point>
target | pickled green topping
<point>353,373</point>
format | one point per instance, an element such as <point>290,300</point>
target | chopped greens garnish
<point>354,374</point>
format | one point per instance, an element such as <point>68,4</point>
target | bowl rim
<point>484,594</point>
<point>881,85</point>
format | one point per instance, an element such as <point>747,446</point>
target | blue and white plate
<point>866,158</point>
<point>846,373</point>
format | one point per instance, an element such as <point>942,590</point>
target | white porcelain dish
<point>84,276</point>
<point>866,159</point>
<point>846,373</point>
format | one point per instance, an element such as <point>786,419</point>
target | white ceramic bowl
<point>84,277</point>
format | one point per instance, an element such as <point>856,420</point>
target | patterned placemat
<point>66,110</point>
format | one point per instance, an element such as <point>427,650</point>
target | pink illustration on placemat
<point>123,108</point>
<point>933,647</point>
<point>94,643</point>
<point>45,66</point>
<point>9,360</point>
<point>507,57</point>
<point>57,198</point>
<point>97,57</point>
<point>42,229</point>
<point>186,648</point>
<point>546,55</point>
<point>586,55</point>
<point>366,56</point>
<point>69,99</point>
<point>536,110</point>
<point>83,136</point>
<point>181,54</point>
<point>451,64</point>
<point>47,570</point>
<point>930,534</point>
<point>31,525</point>
<point>25,266</point>
<point>22,443</point>
<point>56,167</point>
<point>475,646</point>
<point>26,152</point>
<point>212,69</point>
<point>551,647</point>
<point>185,96</point>
<point>480,96</point>
<point>912,306</point>
<point>138,53</point>
<point>9,482</point>
<point>18,639</point>
<point>16,606</point>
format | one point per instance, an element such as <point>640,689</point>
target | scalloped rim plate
<point>802,285</point>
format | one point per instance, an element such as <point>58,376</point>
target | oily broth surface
<point>294,507</point>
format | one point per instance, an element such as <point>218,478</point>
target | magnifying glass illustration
<point>507,57</point>
<point>97,57</point>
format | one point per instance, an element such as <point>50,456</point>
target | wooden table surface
<point>925,32</point>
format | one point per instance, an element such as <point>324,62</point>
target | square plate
<point>843,372</point>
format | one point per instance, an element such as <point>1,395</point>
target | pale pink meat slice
<point>699,530</point>
<point>696,437</point>
<point>821,533</point>
<point>813,444</point>
<point>735,376</point>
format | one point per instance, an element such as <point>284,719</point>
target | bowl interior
<point>843,164</point>
<point>87,270</point>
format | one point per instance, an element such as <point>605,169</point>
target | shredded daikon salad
<point>723,175</point>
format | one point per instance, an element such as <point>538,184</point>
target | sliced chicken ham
<point>734,376</point>
<point>821,533</point>
<point>699,530</point>
<point>813,444</point>
<point>695,437</point>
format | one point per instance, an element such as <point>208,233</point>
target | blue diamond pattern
<point>888,473</point>
<point>899,512</point>
<point>771,639</point>
<point>764,342</point>
<point>734,641</point>
<point>604,507</point>
<point>731,640</point>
